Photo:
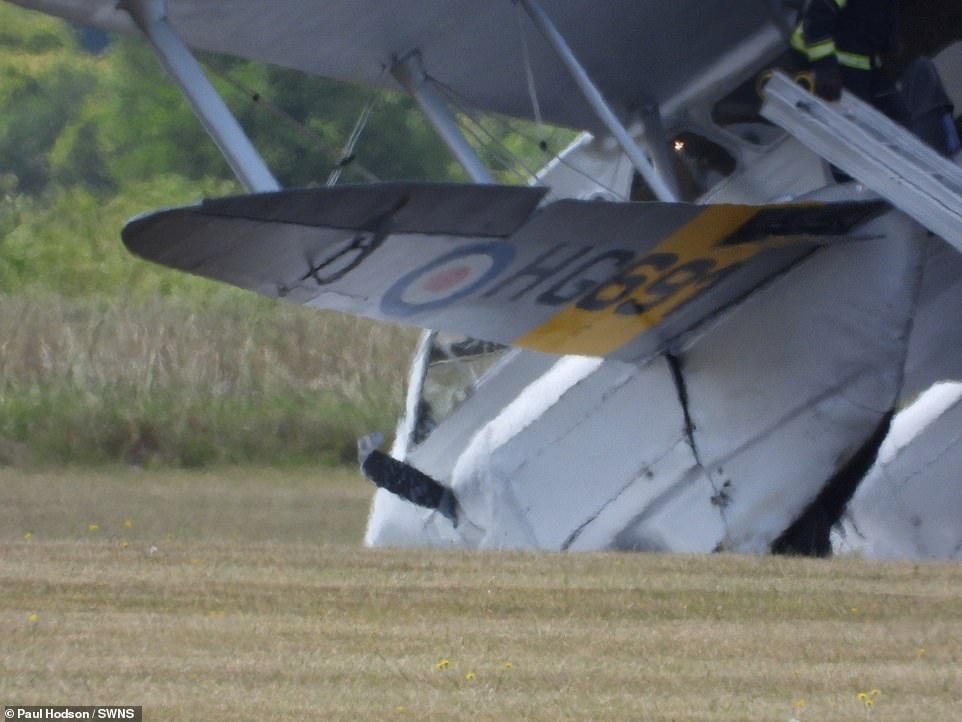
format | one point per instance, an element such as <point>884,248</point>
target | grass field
<point>245,594</point>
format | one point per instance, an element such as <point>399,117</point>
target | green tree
<point>301,123</point>
<point>44,80</point>
<point>113,118</point>
<point>133,125</point>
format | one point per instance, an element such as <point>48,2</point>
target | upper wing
<point>620,280</point>
<point>638,51</point>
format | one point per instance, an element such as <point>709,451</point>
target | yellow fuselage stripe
<point>576,330</point>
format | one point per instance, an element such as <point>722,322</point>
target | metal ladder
<point>874,150</point>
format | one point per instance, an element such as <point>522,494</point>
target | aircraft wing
<point>619,280</point>
<point>661,52</point>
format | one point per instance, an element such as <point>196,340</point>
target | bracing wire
<point>584,174</point>
<point>529,75</point>
<point>309,136</point>
<point>536,105</point>
<point>508,159</point>
<point>484,137</point>
<point>556,156</point>
<point>466,108</point>
<point>347,153</point>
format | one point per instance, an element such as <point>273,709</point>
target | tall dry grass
<point>231,378</point>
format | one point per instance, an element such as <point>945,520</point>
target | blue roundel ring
<point>501,254</point>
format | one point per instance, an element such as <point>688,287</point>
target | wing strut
<point>408,73</point>
<point>151,17</point>
<point>596,100</point>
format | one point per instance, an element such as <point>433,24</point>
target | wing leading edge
<point>618,280</point>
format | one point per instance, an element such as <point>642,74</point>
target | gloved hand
<point>828,79</point>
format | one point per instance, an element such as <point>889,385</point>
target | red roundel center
<point>448,278</point>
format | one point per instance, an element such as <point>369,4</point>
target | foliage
<point>110,119</point>
<point>91,134</point>
<point>43,83</point>
<point>396,143</point>
<point>69,241</point>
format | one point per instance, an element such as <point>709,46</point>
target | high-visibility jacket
<point>855,33</point>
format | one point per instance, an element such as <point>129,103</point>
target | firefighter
<point>844,42</point>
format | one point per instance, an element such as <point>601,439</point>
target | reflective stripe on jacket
<point>855,32</point>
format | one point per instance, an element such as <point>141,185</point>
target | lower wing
<point>619,280</point>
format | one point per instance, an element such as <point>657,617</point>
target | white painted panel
<point>910,504</point>
<point>481,477</point>
<point>663,509</point>
<point>686,522</point>
<point>934,348</point>
<point>785,390</point>
<point>607,432</point>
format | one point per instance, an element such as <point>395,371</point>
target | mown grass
<point>310,504</point>
<point>177,382</point>
<point>221,600</point>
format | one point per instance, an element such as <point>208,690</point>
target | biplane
<point>683,334</point>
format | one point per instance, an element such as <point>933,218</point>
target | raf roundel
<point>447,279</point>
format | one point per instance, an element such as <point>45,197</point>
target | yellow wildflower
<point>33,618</point>
<point>470,676</point>
<point>28,536</point>
<point>128,524</point>
<point>93,527</point>
<point>442,664</point>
